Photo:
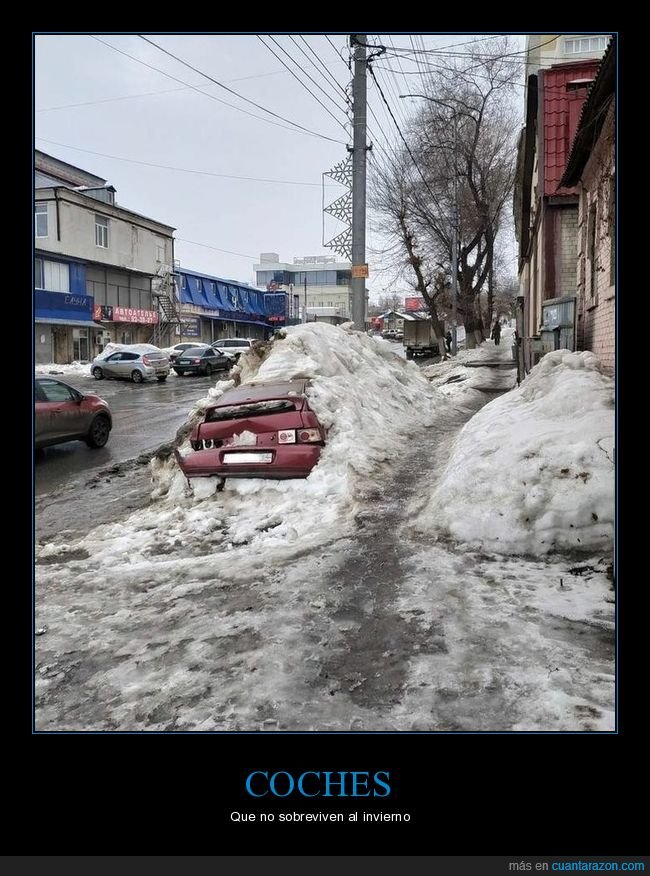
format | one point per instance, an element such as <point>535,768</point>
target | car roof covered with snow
<point>262,392</point>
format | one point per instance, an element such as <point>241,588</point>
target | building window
<point>591,249</point>
<point>101,231</point>
<point>51,276</point>
<point>40,217</point>
<point>585,44</point>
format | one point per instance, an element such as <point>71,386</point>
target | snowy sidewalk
<point>340,602</point>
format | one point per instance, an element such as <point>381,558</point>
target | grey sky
<point>130,111</point>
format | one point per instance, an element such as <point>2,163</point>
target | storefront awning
<point>77,323</point>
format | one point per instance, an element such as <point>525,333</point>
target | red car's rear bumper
<point>288,461</point>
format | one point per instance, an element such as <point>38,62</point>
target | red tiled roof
<point>561,112</point>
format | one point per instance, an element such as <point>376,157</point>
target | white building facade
<point>323,285</point>
<point>97,266</point>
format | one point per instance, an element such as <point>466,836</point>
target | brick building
<point>546,209</point>
<point>592,168</point>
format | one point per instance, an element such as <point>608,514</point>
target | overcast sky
<point>91,99</point>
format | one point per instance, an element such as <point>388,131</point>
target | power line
<point>232,91</point>
<point>442,51</point>
<point>328,96</point>
<point>207,246</point>
<point>328,71</point>
<point>408,148</point>
<point>205,93</point>
<point>338,54</point>
<point>288,182</point>
<point>299,79</point>
<point>49,109</point>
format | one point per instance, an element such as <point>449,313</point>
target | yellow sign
<point>359,271</point>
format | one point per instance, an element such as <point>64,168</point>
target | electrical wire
<point>211,96</point>
<point>298,78</point>
<point>288,182</point>
<point>232,91</point>
<point>49,109</point>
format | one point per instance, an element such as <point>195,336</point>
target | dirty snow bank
<point>73,368</point>
<point>533,471</point>
<point>370,401</point>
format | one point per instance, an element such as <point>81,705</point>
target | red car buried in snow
<point>266,430</point>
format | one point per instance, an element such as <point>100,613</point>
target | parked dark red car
<point>262,431</point>
<point>62,413</point>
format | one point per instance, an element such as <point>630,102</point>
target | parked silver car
<point>135,362</point>
<point>234,346</point>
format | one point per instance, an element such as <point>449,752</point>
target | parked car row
<point>263,430</point>
<point>393,335</point>
<point>140,362</point>
<point>232,347</point>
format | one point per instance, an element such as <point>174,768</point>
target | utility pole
<point>305,319</point>
<point>359,109</point>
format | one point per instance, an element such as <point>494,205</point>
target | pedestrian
<point>496,332</point>
<point>448,341</point>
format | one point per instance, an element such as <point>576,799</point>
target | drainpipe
<point>58,224</point>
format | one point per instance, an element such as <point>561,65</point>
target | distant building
<point>213,307</point>
<point>548,49</point>
<point>98,267</point>
<point>592,168</point>
<point>319,281</point>
<point>545,210</point>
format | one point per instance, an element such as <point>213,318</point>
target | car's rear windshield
<point>154,355</point>
<point>253,409</point>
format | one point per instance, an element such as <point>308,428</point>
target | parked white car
<point>234,346</point>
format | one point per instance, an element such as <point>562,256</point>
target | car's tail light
<point>287,436</point>
<point>196,361</point>
<point>307,436</point>
<point>146,360</point>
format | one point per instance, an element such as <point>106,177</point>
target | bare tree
<point>392,197</point>
<point>391,301</point>
<point>458,174</point>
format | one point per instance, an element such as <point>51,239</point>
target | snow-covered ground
<point>326,603</point>
<point>72,368</point>
<point>533,472</point>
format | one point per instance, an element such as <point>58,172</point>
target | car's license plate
<point>236,458</point>
<point>184,362</point>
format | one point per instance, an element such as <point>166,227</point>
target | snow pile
<point>54,368</point>
<point>533,471</point>
<point>368,399</point>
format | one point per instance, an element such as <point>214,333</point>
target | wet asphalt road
<point>144,417</point>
